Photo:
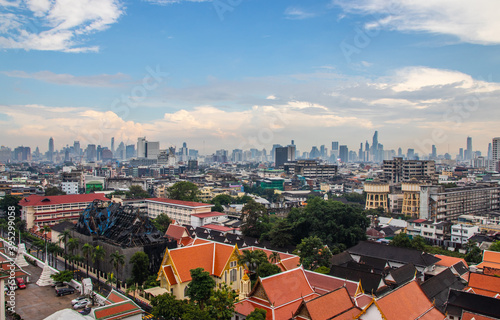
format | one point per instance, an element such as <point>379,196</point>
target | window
<point>232,264</point>
<point>233,274</point>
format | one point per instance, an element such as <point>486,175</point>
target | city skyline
<point>249,74</point>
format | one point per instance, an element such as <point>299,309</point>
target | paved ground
<point>36,302</point>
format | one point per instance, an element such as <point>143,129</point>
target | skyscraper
<point>434,152</point>
<point>375,146</point>
<point>495,154</point>
<point>344,153</point>
<point>284,154</point>
<point>113,144</point>
<point>50,154</point>
<point>468,152</point>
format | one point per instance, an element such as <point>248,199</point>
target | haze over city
<point>232,74</point>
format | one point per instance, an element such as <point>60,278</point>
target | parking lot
<point>36,302</point>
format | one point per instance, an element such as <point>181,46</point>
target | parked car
<point>20,283</point>
<point>64,291</point>
<point>85,311</point>
<point>78,299</point>
<point>81,304</point>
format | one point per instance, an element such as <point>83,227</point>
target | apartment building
<point>310,169</point>
<point>42,210</point>
<point>180,211</point>
<point>399,170</point>
<point>447,204</point>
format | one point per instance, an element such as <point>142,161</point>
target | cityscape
<point>249,160</point>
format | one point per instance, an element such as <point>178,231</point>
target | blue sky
<point>250,73</point>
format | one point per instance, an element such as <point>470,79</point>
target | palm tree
<point>73,244</point>
<point>98,255</point>
<point>88,250</point>
<point>45,230</point>
<point>39,245</point>
<point>252,258</point>
<point>117,260</point>
<point>63,237</point>
<point>274,257</point>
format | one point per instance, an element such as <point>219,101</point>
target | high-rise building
<point>141,147</point>
<point>91,152</point>
<point>495,154</point>
<point>76,147</point>
<point>434,152</point>
<point>129,151</point>
<point>50,153</point>
<point>344,153</point>
<point>398,170</point>
<point>461,154</point>
<point>410,154</point>
<point>489,152</point>
<point>147,149</point>
<point>283,155</point>
<point>375,147</point>
<point>468,152</point>
<point>113,144</point>
<point>22,154</point>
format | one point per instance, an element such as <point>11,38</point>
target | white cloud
<point>470,21</point>
<point>58,25</point>
<point>295,13</point>
<point>103,80</point>
<point>167,2</point>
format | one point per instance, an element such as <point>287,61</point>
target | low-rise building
<point>180,211</point>
<point>461,233</point>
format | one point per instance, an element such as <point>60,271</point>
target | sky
<point>241,74</point>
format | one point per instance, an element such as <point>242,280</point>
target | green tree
<point>274,257</point>
<point>161,222</point>
<point>257,314</point>
<point>73,244</point>
<point>252,259</point>
<point>137,192</point>
<point>255,220</point>
<point>200,288</point>
<point>267,269</point>
<point>281,234</point>
<point>9,201</point>
<point>140,267</point>
<point>495,246</point>
<point>54,191</point>
<point>184,190</point>
<point>98,255</point>
<point>217,208</point>
<point>401,240</point>
<point>323,270</point>
<point>474,254</point>
<point>313,253</point>
<point>221,303</point>
<point>166,306</point>
<point>419,243</point>
<point>222,199</point>
<point>63,276</point>
<point>87,250</point>
<point>63,237</point>
<point>117,260</point>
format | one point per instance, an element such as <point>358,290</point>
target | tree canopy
<point>257,314</point>
<point>161,222</point>
<point>54,191</point>
<point>200,288</point>
<point>184,190</point>
<point>137,192</point>
<point>313,253</point>
<point>140,267</point>
<point>255,219</point>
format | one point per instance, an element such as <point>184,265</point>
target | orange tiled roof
<point>406,302</point>
<point>447,261</point>
<point>491,256</point>
<point>290,263</point>
<point>294,281</point>
<point>348,314</point>
<point>329,305</point>
<point>323,283</point>
<point>210,256</point>
<point>117,311</point>
<point>484,284</point>
<point>469,316</point>
<point>176,232</point>
<point>169,274</point>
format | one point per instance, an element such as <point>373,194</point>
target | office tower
<point>434,152</point>
<point>91,152</point>
<point>343,153</point>
<point>468,154</point>
<point>314,154</point>
<point>293,143</point>
<point>141,147</point>
<point>273,151</point>
<point>237,155</point>
<point>50,154</point>
<point>495,154</point>
<point>283,155</point>
<point>76,147</point>
<point>335,145</point>
<point>129,151</point>
<point>113,144</point>
<point>22,154</point>
<point>322,151</point>
<point>360,152</point>
<point>183,152</point>
<point>152,149</point>
<point>489,151</point>
<point>400,152</point>
<point>375,146</point>
<point>461,154</point>
<point>99,152</point>
<point>410,155</point>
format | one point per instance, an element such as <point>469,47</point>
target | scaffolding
<point>125,226</point>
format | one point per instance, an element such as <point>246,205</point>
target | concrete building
<point>495,154</point>
<point>399,170</point>
<point>461,233</point>
<point>447,204</point>
<point>411,199</point>
<point>41,210</point>
<point>376,195</point>
<point>310,169</point>
<point>180,211</point>
<point>283,154</point>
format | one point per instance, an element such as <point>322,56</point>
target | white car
<point>78,299</point>
<point>81,304</point>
